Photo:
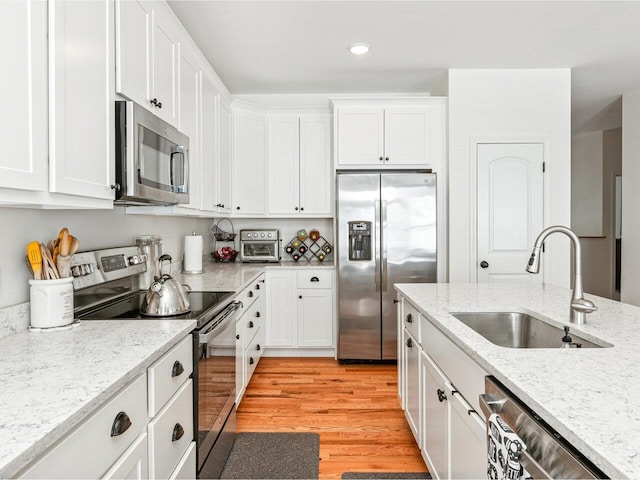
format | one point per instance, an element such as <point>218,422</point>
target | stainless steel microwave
<point>152,158</point>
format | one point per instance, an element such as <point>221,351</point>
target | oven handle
<point>490,405</point>
<point>219,322</point>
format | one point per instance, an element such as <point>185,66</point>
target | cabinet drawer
<point>251,292</point>
<point>168,373</point>
<point>186,469</point>
<point>253,319</point>
<point>254,353</point>
<point>315,279</point>
<point>90,450</point>
<point>133,464</point>
<point>411,319</point>
<point>465,374</point>
<point>171,433</point>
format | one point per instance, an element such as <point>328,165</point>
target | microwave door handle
<point>179,150</point>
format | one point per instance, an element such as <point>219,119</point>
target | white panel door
<point>165,68</point>
<point>81,113</point>
<point>406,139</point>
<point>315,318</point>
<point>188,120</point>
<point>434,418</point>
<point>510,209</point>
<point>249,182</point>
<point>411,381</point>
<point>209,143</point>
<point>360,136</point>
<point>468,450</point>
<point>134,20</point>
<point>315,165</point>
<point>23,104</point>
<point>225,164</point>
<point>281,308</point>
<point>284,165</point>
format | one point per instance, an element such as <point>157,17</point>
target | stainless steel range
<point>106,288</point>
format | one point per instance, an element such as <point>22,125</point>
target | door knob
<point>484,264</point>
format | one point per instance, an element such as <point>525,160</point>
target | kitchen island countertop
<point>53,380</point>
<point>591,396</point>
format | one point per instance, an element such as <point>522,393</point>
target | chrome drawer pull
<point>178,432</point>
<point>121,424</point>
<point>177,369</point>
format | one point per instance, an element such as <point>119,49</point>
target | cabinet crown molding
<point>386,101</point>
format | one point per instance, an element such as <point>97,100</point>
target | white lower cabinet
<point>300,311</point>
<point>186,469</point>
<point>440,401</point>
<point>250,333</point>
<point>134,464</point>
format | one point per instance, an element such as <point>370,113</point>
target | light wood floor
<point>354,408</point>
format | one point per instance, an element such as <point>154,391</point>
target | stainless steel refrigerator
<point>386,231</point>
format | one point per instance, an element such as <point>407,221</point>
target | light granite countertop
<point>53,380</point>
<point>234,276</point>
<point>590,396</point>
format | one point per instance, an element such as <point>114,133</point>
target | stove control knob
<point>255,235</point>
<point>270,235</point>
<point>85,269</point>
<point>76,271</point>
<point>262,234</point>
<point>134,260</point>
<point>91,268</point>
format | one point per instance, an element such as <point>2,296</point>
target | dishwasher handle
<point>490,405</point>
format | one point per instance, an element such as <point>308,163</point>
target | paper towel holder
<point>199,255</point>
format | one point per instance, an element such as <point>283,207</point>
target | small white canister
<point>51,302</point>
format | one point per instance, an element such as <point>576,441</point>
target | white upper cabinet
<point>189,123</point>
<point>249,184</point>
<point>23,106</point>
<point>299,162</point>
<point>390,133</point>
<point>81,112</point>
<point>147,57</point>
<point>225,159</point>
<point>209,142</point>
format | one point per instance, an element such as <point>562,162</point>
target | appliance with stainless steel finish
<point>580,306</point>
<point>152,158</point>
<point>548,455</point>
<point>106,288</point>
<point>386,234</point>
<point>260,245</point>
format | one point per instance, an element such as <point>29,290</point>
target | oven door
<point>215,389</point>
<point>259,251</point>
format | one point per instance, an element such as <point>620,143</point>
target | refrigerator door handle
<point>376,247</point>
<point>383,241</point>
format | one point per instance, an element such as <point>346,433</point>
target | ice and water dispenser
<point>359,240</point>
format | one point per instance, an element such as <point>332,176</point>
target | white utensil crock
<point>51,302</point>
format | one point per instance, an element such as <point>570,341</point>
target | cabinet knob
<point>299,296</point>
<point>250,324</point>
<point>386,159</point>
<point>237,208</point>
<point>121,424</point>
<point>381,159</point>
<point>441,396</point>
<point>257,314</point>
<point>178,432</point>
<point>301,209</point>
<point>159,104</point>
<point>409,318</point>
<point>177,369</point>
<point>116,187</point>
<point>484,264</point>
<point>258,347</point>
<point>296,209</point>
<point>409,343</point>
<point>251,362</point>
<point>257,286</point>
<point>222,205</point>
<point>250,294</point>
<point>237,337</point>
<point>395,300</point>
<point>154,101</point>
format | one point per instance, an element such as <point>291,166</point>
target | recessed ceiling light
<point>359,48</point>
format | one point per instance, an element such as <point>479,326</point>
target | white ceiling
<point>270,47</point>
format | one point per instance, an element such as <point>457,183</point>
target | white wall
<point>586,184</point>
<point>94,229</point>
<point>630,281</point>
<point>509,104</point>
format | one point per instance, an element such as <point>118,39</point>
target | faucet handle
<point>583,305</point>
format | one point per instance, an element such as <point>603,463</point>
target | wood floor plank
<point>354,408</point>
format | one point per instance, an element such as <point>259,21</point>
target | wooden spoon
<point>74,243</point>
<point>64,243</point>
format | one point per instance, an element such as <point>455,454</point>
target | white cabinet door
<point>315,318</point>
<point>189,122</point>
<point>225,164</point>
<point>209,144</point>
<point>249,182</point>
<point>166,54</point>
<point>406,135</point>
<point>281,308</point>
<point>435,419</point>
<point>360,136</point>
<point>133,464</point>
<point>468,447</point>
<point>81,113</point>
<point>240,373</point>
<point>134,23</point>
<point>411,381</point>
<point>284,165</point>
<point>23,106</point>
<point>315,165</point>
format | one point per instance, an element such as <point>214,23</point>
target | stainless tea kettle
<point>165,297</point>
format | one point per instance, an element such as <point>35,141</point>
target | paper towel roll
<point>192,254</point>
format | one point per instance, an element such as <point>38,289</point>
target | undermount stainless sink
<point>519,330</point>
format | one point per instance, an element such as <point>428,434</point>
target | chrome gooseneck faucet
<point>579,305</point>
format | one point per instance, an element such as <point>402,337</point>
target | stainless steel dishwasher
<point>548,455</point>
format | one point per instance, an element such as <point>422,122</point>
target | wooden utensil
<point>73,245</point>
<point>64,243</point>
<point>48,264</point>
<point>35,259</point>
